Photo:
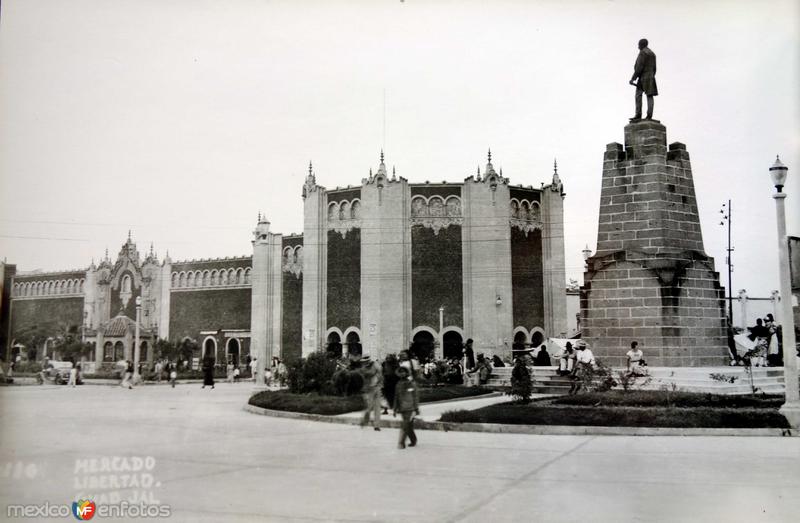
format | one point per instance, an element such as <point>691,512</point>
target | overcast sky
<point>181,120</point>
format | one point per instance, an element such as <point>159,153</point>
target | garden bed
<point>653,398</point>
<point>334,405</point>
<point>634,409</point>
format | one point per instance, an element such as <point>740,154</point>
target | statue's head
<point>643,43</point>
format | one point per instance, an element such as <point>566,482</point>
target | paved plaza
<point>211,461</point>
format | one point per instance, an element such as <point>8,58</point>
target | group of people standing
<point>768,349</point>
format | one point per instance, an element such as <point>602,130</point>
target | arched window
<point>247,275</point>
<point>108,351</point>
<point>453,345</point>
<point>333,211</point>
<point>119,351</point>
<point>190,280</point>
<point>223,277</point>
<point>182,280</point>
<point>355,210</point>
<point>353,344</point>
<point>214,277</point>
<point>419,207</point>
<point>536,214</point>
<point>239,276</point>
<point>334,345</point>
<point>436,206</point>
<point>175,279</point>
<point>125,287</point>
<point>210,348</point>
<point>344,211</point>
<point>453,206</point>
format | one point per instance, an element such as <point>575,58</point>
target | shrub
<point>515,414</point>
<point>306,403</point>
<point>348,382</point>
<point>654,398</point>
<point>27,367</point>
<point>521,384</point>
<point>312,374</point>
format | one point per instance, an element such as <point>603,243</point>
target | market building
<point>379,266</point>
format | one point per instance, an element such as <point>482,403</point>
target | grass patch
<point>658,398</point>
<point>307,403</point>
<point>700,417</point>
<point>313,403</point>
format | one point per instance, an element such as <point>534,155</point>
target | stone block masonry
<point>650,279</point>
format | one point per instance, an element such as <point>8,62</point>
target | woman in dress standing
<point>208,371</point>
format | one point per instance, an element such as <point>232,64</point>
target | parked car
<point>57,372</point>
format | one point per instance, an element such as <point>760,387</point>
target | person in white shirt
<point>584,363</point>
<point>635,360</point>
<point>253,368</point>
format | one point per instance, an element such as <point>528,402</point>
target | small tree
<point>521,384</point>
<point>312,374</point>
<point>165,349</point>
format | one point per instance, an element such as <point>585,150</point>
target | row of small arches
<point>212,278</point>
<point>435,206</point>
<point>292,255</point>
<point>49,288</point>
<point>344,210</point>
<point>525,210</point>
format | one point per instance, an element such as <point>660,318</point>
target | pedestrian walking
<point>281,373</point>
<point>389,370</point>
<point>406,402</point>
<point>373,379</point>
<point>208,372</point>
<point>127,379</point>
<point>172,369</point>
<point>253,368</point>
<point>159,369</point>
<point>229,372</point>
<point>73,376</point>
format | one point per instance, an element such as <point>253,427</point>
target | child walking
<point>406,402</point>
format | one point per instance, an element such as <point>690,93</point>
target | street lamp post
<point>791,407</point>
<point>441,329</point>
<point>729,258</point>
<point>136,376</point>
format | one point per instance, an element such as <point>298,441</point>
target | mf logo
<point>83,510</point>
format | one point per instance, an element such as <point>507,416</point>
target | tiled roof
<point>119,325</point>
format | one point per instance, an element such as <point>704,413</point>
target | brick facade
<point>650,279</point>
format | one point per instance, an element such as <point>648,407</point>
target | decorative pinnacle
<point>381,155</point>
<point>129,235</point>
<point>490,155</point>
<point>393,170</point>
<point>151,248</point>
<point>555,166</point>
<point>310,168</point>
<point>106,253</point>
<point>259,216</point>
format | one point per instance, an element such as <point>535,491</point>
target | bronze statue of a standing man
<point>645,72</point>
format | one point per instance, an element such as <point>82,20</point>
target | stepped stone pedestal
<point>650,279</point>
